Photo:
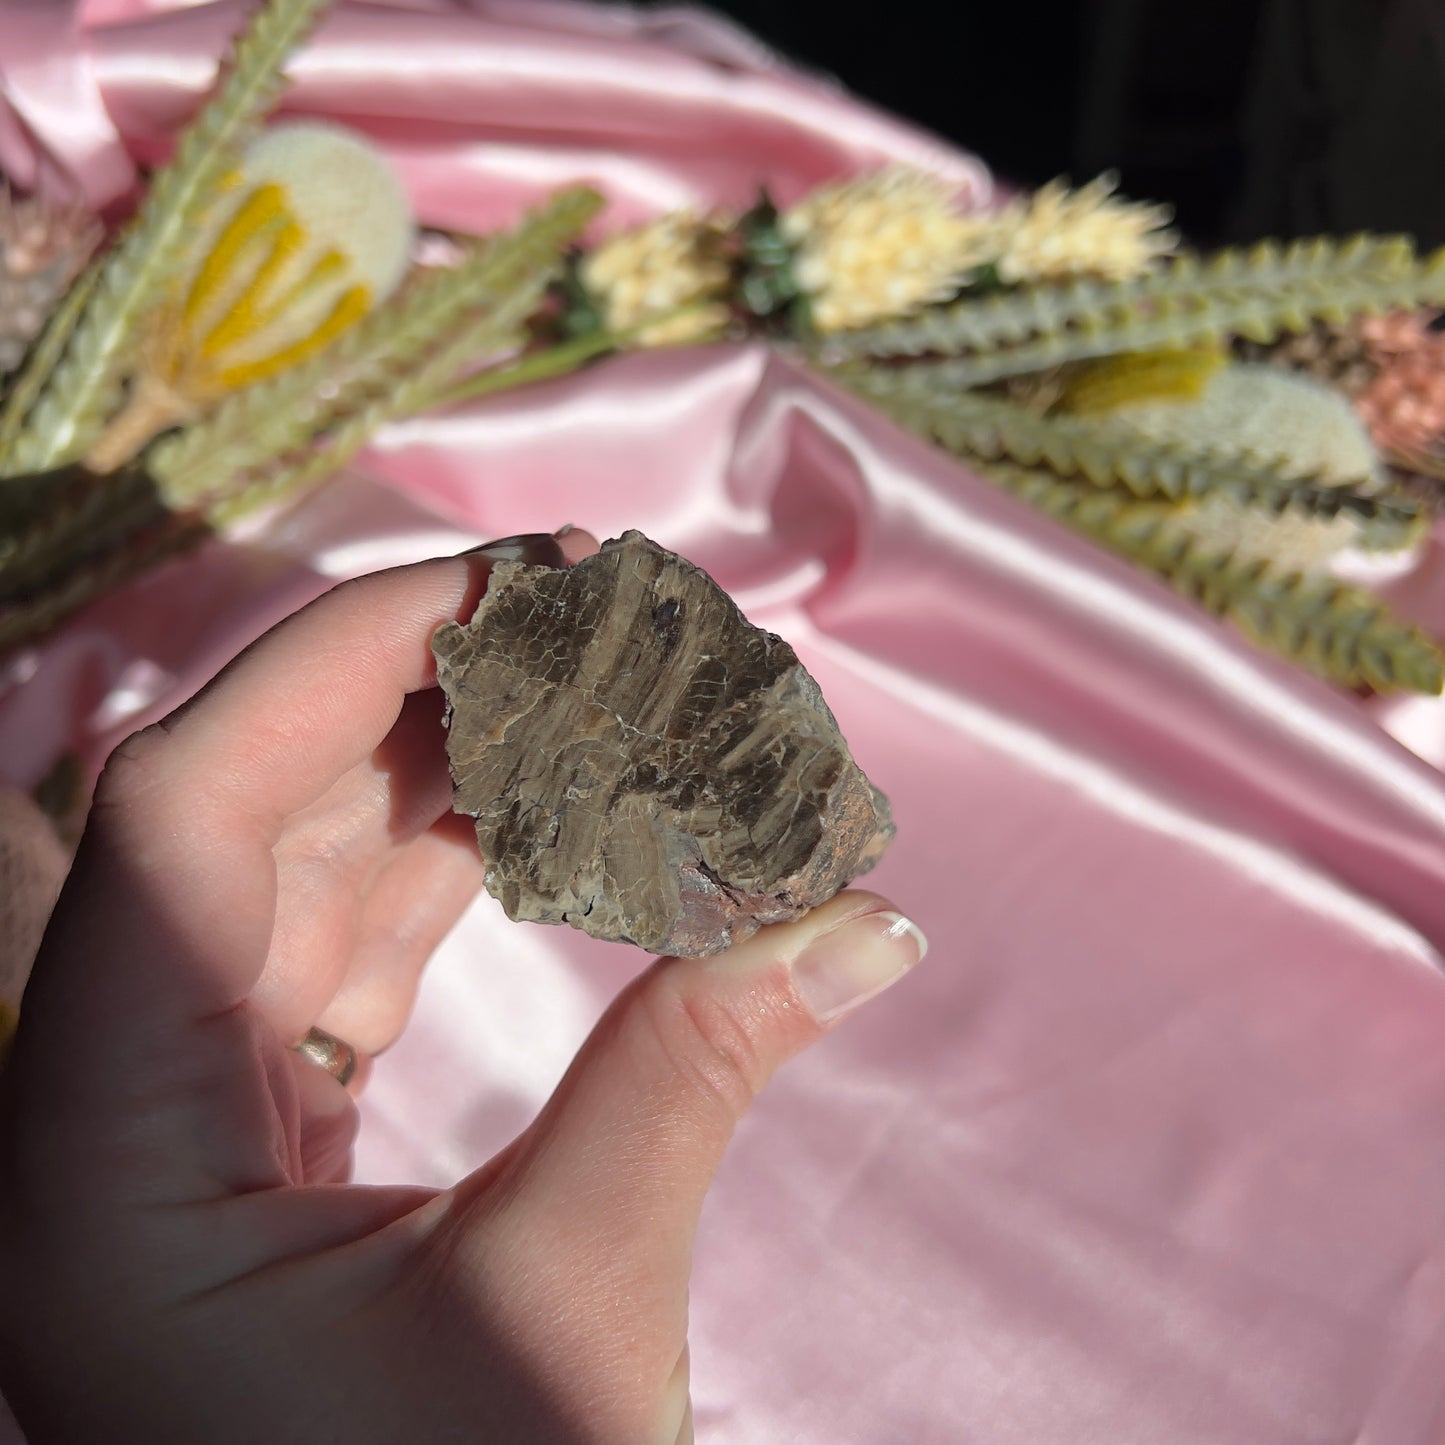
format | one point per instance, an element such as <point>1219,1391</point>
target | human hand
<point>181,1257</point>
<point>33,864</point>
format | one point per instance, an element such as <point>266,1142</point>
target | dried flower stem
<point>70,517</point>
<point>537,366</point>
<point>287,477</point>
<point>151,408</point>
<point>28,618</point>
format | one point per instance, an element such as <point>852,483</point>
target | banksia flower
<point>1404,406</point>
<point>42,248</point>
<point>1272,415</point>
<point>675,264</point>
<point>316,232</point>
<point>1057,233</point>
<point>881,246</point>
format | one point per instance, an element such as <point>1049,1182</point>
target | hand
<point>181,1257</point>
<point>33,863</point>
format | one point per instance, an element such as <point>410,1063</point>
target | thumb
<point>610,1179</point>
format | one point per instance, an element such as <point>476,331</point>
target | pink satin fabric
<point>1150,1148</point>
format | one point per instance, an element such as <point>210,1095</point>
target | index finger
<point>174,887</point>
<point>317,695</point>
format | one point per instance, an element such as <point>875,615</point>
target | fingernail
<point>535,549</point>
<point>852,963</point>
<point>563,530</point>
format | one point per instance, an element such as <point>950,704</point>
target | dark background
<point>1252,117</point>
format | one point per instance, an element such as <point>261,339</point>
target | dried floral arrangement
<point>1235,424</point>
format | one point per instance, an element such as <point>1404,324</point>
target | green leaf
<point>579,314</point>
<point>1110,453</point>
<point>767,286</point>
<point>42,360</point>
<point>1257,294</point>
<point>1339,632</point>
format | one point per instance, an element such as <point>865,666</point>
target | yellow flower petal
<point>249,311</point>
<point>260,215</point>
<point>318,231</point>
<point>353,305</point>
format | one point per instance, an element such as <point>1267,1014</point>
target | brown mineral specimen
<point>642,762</point>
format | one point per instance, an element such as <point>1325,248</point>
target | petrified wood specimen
<point>641,761</point>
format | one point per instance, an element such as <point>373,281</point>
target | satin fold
<point>1150,1147</point>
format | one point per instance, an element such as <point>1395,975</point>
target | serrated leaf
<point>83,389</point>
<point>1340,632</point>
<point>1258,294</point>
<point>1110,453</point>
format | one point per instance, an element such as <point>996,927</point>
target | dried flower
<point>673,269</point>
<point>881,246</point>
<point>318,230</point>
<point>1335,353</point>
<point>42,248</point>
<point>1057,233</point>
<point>1404,407</point>
<point>1272,415</point>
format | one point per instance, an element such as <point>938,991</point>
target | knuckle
<point>709,1044</point>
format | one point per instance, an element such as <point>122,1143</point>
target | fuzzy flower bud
<point>675,264</point>
<point>1057,233</point>
<point>1272,415</point>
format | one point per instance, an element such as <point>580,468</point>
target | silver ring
<point>334,1055</point>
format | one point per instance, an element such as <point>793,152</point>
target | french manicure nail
<point>852,963</point>
<point>535,549</point>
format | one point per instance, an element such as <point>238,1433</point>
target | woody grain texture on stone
<point>641,761</point>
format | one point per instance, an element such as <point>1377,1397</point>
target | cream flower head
<point>311,233</point>
<point>880,246</point>
<point>674,264</point>
<point>1058,233</point>
<point>319,231</point>
<point>1278,417</point>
